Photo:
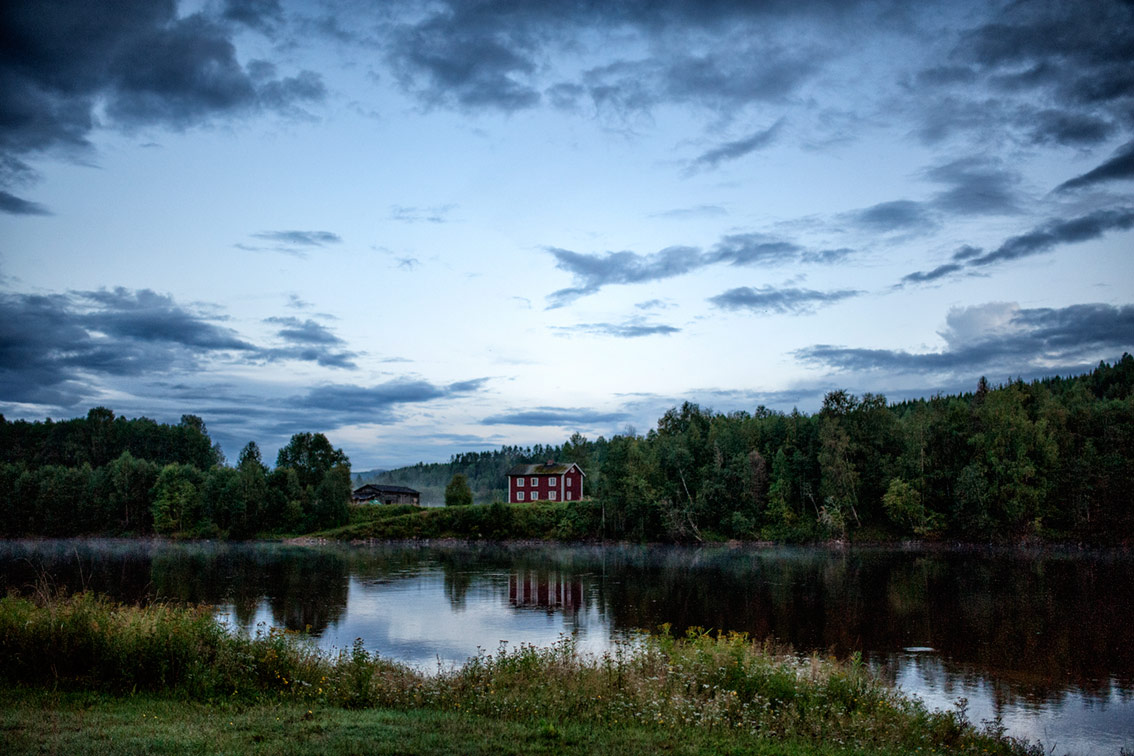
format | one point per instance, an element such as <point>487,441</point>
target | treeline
<point>1052,459</point>
<point>107,475</point>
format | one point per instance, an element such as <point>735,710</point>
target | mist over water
<point>1039,639</point>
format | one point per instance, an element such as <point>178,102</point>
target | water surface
<point>1040,639</point>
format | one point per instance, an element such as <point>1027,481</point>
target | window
<point>520,482</point>
<point>553,496</point>
<point>569,496</point>
<point>519,496</point>
<point>552,481</point>
<point>570,482</point>
<point>535,481</point>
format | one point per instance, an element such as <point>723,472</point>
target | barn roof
<point>378,488</point>
<point>549,468</point>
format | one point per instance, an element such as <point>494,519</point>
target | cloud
<point>976,186</point>
<point>940,271</point>
<point>295,243</point>
<point>50,345</point>
<point>1068,128</point>
<point>697,211</point>
<point>1041,239</point>
<point>435,214</point>
<point>556,416</point>
<point>739,148</point>
<point>1058,232</point>
<point>1118,168</point>
<point>55,349</point>
<point>898,215</point>
<point>631,329</point>
<point>783,301</point>
<point>593,272</point>
<point>361,404</point>
<point>303,332</point>
<point>1001,339</point>
<point>263,15</point>
<point>69,66</point>
<point>300,238</point>
<point>1058,72</point>
<point>13,205</point>
<point>506,56</point>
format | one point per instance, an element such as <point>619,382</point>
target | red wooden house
<point>552,481</point>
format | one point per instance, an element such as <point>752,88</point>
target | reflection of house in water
<point>542,589</point>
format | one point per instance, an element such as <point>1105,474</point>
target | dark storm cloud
<point>50,344</point>
<point>135,61</point>
<point>594,271</point>
<point>13,205</point>
<point>492,55</point>
<point>899,215</point>
<point>975,186</point>
<point>143,315</point>
<point>572,417</point>
<point>53,348</point>
<point>783,301</point>
<point>739,148</point>
<point>1025,340</point>
<point>1059,72</point>
<point>1068,128</point>
<point>453,59</point>
<point>1120,167</point>
<point>263,15</point>
<point>1040,240</point>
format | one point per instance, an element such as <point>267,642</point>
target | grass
<point>107,674</point>
<point>564,521</point>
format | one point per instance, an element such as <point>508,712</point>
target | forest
<point>1051,459</point>
<point>107,475</point>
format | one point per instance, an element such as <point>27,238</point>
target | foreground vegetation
<point>109,673</point>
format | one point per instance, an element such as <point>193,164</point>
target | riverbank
<point>106,673</point>
<point>582,522</point>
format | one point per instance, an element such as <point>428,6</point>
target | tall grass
<point>700,682</point>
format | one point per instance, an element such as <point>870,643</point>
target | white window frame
<point>552,480</point>
<point>569,496</point>
<point>519,496</point>
<point>552,496</point>
<point>520,482</point>
<point>570,481</point>
<point>535,481</point>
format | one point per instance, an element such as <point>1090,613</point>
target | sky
<point>424,228</point>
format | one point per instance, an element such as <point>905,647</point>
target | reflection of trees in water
<point>308,590</point>
<point>120,569</point>
<point>1035,624</point>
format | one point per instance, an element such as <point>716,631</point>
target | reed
<point>726,685</point>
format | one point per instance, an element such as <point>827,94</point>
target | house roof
<point>553,468</point>
<point>377,488</point>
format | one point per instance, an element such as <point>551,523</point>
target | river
<point>1040,639</point>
